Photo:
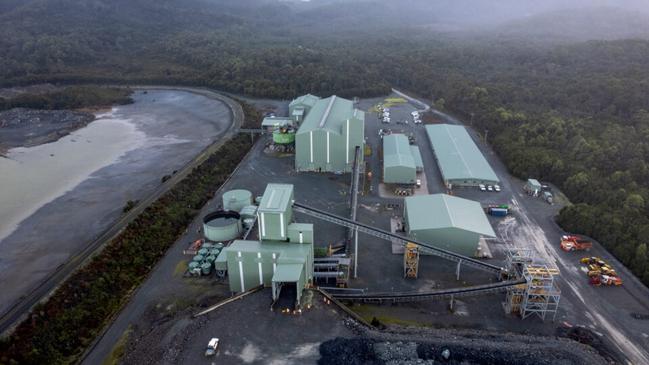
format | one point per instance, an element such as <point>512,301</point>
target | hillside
<point>600,23</point>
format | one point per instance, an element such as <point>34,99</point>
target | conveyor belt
<point>377,232</point>
<point>429,295</point>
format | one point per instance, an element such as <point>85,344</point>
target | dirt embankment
<point>21,127</point>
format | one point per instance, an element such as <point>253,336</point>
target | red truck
<point>575,243</point>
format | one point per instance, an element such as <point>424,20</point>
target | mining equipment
<point>575,243</point>
<point>411,260</point>
<point>600,272</point>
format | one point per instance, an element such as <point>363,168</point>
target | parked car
<point>497,188</point>
<point>212,346</point>
<point>490,188</point>
<point>418,183</point>
<point>482,187</point>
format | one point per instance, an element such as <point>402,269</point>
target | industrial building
<point>399,165</point>
<point>283,255</point>
<point>329,131</point>
<point>460,161</point>
<point>300,107</point>
<point>447,222</point>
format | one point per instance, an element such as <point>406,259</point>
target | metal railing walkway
<point>377,232</point>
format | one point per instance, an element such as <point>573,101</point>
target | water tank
<point>235,200</point>
<point>198,258</point>
<point>222,226</point>
<point>203,251</point>
<point>206,268</point>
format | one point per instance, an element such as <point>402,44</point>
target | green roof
<point>276,122</point>
<point>276,199</point>
<point>457,155</point>
<point>439,211</point>
<point>397,152</point>
<point>330,114</point>
<point>287,273</point>
<point>308,100</point>
<point>416,155</point>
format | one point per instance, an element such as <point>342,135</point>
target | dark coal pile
<point>454,348</point>
<point>344,351</point>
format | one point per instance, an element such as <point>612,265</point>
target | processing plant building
<point>400,160</point>
<point>460,161</point>
<point>448,222</point>
<point>329,131</point>
<point>283,255</point>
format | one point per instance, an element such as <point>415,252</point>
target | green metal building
<point>329,134</point>
<point>460,161</point>
<point>416,155</point>
<point>299,107</point>
<point>275,212</point>
<point>398,163</point>
<point>282,257</point>
<point>448,222</point>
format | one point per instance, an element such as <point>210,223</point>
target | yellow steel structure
<point>411,260</point>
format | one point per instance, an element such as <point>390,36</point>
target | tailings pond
<point>56,197</point>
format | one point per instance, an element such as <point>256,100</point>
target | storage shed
<point>448,222</point>
<point>328,136</point>
<point>460,161</point>
<point>398,163</point>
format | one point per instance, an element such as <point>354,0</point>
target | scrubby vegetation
<point>57,331</point>
<point>73,97</point>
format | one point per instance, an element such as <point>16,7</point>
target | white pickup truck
<point>212,346</point>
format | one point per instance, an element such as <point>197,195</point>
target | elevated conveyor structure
<point>403,297</point>
<point>376,232</point>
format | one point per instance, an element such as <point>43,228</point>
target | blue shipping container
<point>498,212</point>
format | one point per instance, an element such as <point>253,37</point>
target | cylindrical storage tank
<point>207,245</point>
<point>206,268</point>
<point>218,245</point>
<point>249,211</point>
<point>203,251</point>
<point>215,252</point>
<point>222,226</point>
<point>198,258</point>
<point>210,259</point>
<point>193,265</point>
<point>235,200</point>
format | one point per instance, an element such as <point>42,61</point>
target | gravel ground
<point>22,127</point>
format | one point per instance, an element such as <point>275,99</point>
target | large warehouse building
<point>448,222</point>
<point>399,165</point>
<point>460,161</point>
<point>283,257</point>
<point>328,135</point>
